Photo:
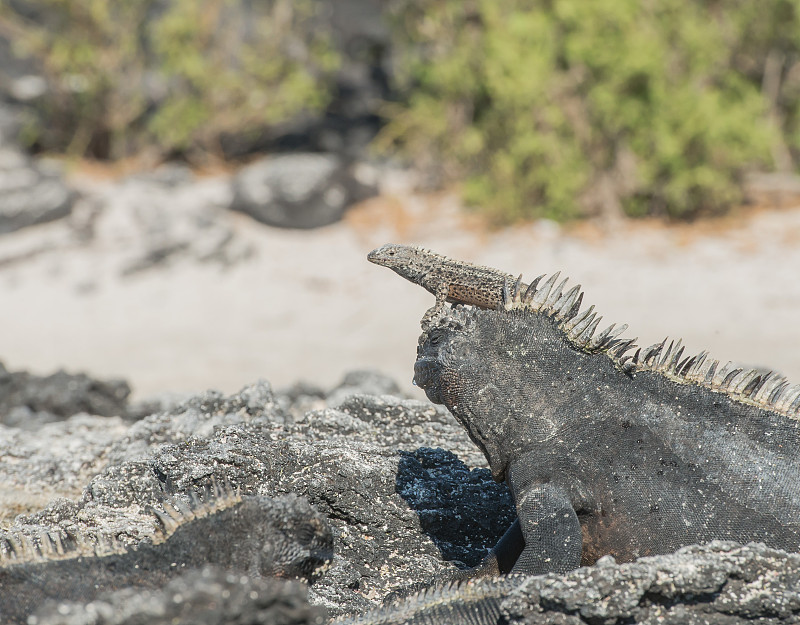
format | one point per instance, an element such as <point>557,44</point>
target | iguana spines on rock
<point>254,535</point>
<point>720,583</point>
<point>463,601</point>
<point>58,543</point>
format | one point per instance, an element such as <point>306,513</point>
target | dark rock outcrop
<point>27,401</point>
<point>210,596</point>
<point>719,583</point>
<point>360,464</point>
<point>304,190</point>
<point>401,511</point>
<point>30,193</point>
<point>250,535</point>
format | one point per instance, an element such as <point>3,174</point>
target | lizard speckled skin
<point>449,280</point>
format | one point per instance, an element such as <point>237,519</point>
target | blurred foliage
<point>566,108</point>
<point>168,75</point>
<point>546,108</point>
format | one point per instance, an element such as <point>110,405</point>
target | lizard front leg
<point>442,292</point>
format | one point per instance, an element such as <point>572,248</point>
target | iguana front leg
<point>550,529</point>
<point>546,537</point>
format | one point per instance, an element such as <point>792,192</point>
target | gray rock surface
<point>402,509</point>
<point>30,194</point>
<point>53,463</point>
<point>206,597</point>
<point>394,505</point>
<point>137,223</point>
<point>720,583</point>
<point>304,190</point>
<point>161,217</point>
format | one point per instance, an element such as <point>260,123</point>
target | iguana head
<point>409,261</point>
<point>300,542</point>
<point>451,369</point>
<point>513,378</point>
<point>281,536</point>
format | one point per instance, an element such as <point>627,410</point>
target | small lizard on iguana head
<point>449,280</point>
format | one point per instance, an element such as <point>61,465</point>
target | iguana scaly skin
<point>606,452</point>
<point>257,536</point>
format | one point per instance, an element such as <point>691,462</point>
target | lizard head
<point>409,261</point>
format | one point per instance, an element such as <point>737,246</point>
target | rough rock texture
<point>31,194</point>
<point>252,535</point>
<point>54,461</point>
<point>209,596</point>
<point>304,190</point>
<point>720,583</point>
<point>402,512</point>
<point>394,505</point>
<point>28,401</point>
<point>54,431</point>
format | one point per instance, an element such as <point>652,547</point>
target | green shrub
<point>572,107</point>
<point>169,75</point>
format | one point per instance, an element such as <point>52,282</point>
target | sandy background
<point>307,305</point>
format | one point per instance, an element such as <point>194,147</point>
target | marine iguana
<point>257,536</point>
<point>605,452</point>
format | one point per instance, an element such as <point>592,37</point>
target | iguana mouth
<point>427,375</point>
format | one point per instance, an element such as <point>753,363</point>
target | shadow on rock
<point>465,512</point>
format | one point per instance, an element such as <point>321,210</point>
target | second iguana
<point>252,535</point>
